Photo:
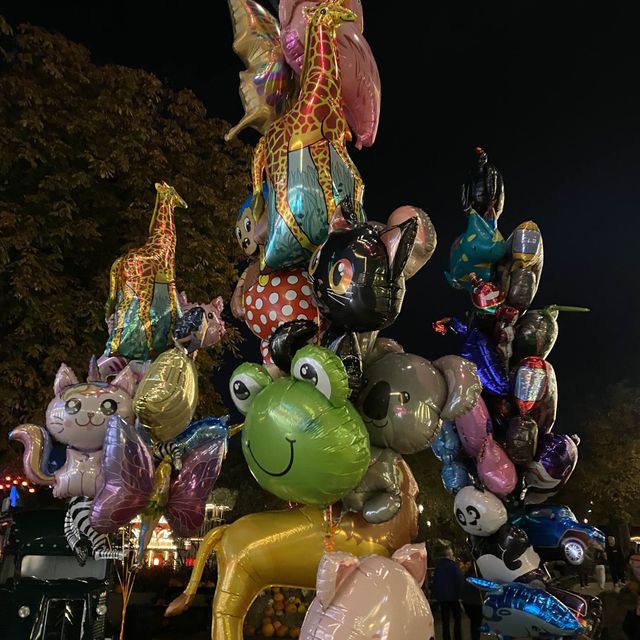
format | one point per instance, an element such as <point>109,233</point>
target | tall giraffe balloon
<point>304,155</point>
<point>142,291</point>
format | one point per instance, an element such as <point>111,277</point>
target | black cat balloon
<point>356,274</point>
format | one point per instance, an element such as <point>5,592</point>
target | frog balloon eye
<point>324,370</point>
<point>247,382</point>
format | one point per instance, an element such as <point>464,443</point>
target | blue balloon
<point>202,431</point>
<point>447,446</point>
<point>519,610</point>
<point>476,348</point>
<point>455,476</point>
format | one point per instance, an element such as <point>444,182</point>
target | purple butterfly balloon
<point>126,480</point>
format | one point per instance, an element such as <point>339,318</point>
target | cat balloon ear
<point>65,378</point>
<point>344,216</point>
<point>126,381</point>
<point>399,244</point>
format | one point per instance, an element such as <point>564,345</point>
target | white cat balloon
<point>77,417</point>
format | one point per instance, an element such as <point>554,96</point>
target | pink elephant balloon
<point>495,469</point>
<point>380,595</point>
<point>473,428</point>
<point>360,77</point>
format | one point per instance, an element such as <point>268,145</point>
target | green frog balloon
<point>302,438</point>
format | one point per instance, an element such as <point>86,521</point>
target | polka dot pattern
<point>275,299</point>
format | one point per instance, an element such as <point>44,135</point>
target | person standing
<point>447,583</point>
<point>615,561</point>
<point>472,601</point>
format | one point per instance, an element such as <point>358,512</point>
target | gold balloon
<point>167,396</point>
<point>284,548</point>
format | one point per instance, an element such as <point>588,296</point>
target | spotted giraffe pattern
<point>315,122</point>
<point>135,274</point>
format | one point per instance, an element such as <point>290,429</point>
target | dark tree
<point>82,146</point>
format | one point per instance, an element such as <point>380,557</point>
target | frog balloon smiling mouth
<point>302,439</point>
<point>282,473</point>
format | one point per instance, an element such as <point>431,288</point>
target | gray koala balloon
<point>405,396</point>
<point>401,401</point>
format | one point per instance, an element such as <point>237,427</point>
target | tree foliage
<point>82,146</point>
<point>608,470</point>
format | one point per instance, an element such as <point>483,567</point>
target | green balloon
<point>302,439</point>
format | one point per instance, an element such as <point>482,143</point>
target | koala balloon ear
<point>399,243</point>
<point>413,557</point>
<point>333,570</point>
<point>64,378</point>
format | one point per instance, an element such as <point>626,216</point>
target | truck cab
<point>44,593</point>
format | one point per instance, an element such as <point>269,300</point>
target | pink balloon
<point>495,469</point>
<point>473,428</point>
<point>360,77</point>
<point>426,237</point>
<point>381,595</point>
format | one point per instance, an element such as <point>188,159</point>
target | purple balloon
<point>495,469</point>
<point>476,348</point>
<point>473,428</point>
<point>551,467</point>
<point>191,487</point>
<point>127,477</point>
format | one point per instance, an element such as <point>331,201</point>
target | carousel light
<point>24,483</point>
<point>32,490</point>
<point>7,478</point>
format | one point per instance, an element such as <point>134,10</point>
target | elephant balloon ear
<point>333,570</point>
<point>413,557</point>
<point>324,370</point>
<point>247,381</point>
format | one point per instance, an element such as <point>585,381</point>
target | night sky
<point>549,91</point>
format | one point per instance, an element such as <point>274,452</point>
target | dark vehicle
<point>44,593</point>
<point>556,534</point>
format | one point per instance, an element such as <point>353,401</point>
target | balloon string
<point>329,541</point>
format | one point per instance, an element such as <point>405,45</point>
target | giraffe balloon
<point>303,153</point>
<point>142,291</point>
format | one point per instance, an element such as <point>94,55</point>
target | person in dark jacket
<point>447,584</point>
<point>615,561</point>
<point>472,601</point>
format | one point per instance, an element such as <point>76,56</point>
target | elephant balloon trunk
<point>37,447</point>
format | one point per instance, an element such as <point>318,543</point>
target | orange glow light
<point>32,490</point>
<point>24,483</point>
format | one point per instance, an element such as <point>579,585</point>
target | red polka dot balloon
<point>276,298</point>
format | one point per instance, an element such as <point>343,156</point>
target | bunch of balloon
<point>501,459</point>
<point>321,283</point>
<point>131,446</point>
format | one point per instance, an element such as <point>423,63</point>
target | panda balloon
<point>479,512</point>
<point>501,550</point>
